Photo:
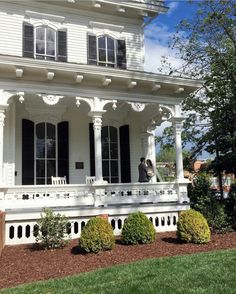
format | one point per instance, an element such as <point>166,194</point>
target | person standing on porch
<point>150,170</point>
<point>142,169</point>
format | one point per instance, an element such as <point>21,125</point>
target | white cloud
<point>172,7</point>
<point>153,56</point>
<point>157,38</point>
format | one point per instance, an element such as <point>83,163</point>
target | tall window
<point>45,43</point>
<point>110,158</point>
<point>45,152</point>
<point>106,51</point>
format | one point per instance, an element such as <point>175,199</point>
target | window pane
<point>114,150</point>
<point>110,44</point>
<point>51,168</point>
<point>114,168</point>
<point>40,34</point>
<point>105,138</point>
<point>111,55</point>
<point>113,134</point>
<point>102,55</point>
<point>40,140</point>
<point>114,180</point>
<point>105,168</point>
<point>50,42</point>
<point>40,42</point>
<point>40,168</point>
<point>101,43</point>
<point>51,131</point>
<point>105,151</point>
<point>51,141</point>
<point>40,181</point>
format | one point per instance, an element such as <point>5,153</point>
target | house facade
<point>75,102</point>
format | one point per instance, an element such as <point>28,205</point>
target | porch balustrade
<point>23,197</point>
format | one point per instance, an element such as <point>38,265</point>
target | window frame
<point>106,63</point>
<point>45,159</point>
<point>97,62</point>
<point>45,56</point>
<point>110,159</point>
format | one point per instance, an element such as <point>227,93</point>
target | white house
<point>75,101</point>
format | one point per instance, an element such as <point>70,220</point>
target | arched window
<point>106,51</point>
<point>45,153</point>
<point>45,43</point>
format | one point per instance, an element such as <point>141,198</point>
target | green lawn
<point>213,272</point>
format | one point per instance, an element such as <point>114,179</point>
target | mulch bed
<point>23,264</point>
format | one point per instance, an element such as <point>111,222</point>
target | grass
<point>213,272</point>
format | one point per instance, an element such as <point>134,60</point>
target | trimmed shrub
<point>138,229</point>
<point>97,235</point>
<point>52,230</point>
<point>192,227</point>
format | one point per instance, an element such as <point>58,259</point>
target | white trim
<point>106,26</point>
<point>42,16</point>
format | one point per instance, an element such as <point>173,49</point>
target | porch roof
<point>150,86</point>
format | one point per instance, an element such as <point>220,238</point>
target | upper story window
<point>106,51</point>
<point>43,42</point>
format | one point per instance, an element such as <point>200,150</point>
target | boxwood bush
<point>192,227</point>
<point>97,235</point>
<point>52,229</point>
<point>138,229</point>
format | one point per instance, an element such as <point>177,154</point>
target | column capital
<point>96,104</point>
<point>4,97</point>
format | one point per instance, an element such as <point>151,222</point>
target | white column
<point>177,121</point>
<point>97,126</point>
<point>2,118</point>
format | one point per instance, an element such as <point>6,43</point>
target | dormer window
<point>44,42</point>
<point>106,51</point>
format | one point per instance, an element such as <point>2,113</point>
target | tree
<point>207,47</point>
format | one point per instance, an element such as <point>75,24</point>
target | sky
<point>157,36</point>
<point>161,29</point>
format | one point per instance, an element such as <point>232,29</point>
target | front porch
<point>99,124</point>
<point>161,202</point>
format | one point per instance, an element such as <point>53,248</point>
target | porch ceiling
<point>83,76</point>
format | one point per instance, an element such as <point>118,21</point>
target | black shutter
<point>125,154</point>
<point>27,152</point>
<point>28,40</point>
<point>92,49</point>
<point>62,46</point>
<point>121,54</point>
<point>63,149</point>
<point>92,150</point>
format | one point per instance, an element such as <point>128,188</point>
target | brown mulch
<point>22,264</point>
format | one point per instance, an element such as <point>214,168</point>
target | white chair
<point>90,180</point>
<point>58,180</point>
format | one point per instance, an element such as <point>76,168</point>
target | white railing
<point>23,197</point>
<point>161,202</point>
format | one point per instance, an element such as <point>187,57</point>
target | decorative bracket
<point>21,96</point>
<point>138,107</point>
<point>96,104</point>
<point>50,99</point>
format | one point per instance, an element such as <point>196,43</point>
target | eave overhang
<point>83,76</point>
